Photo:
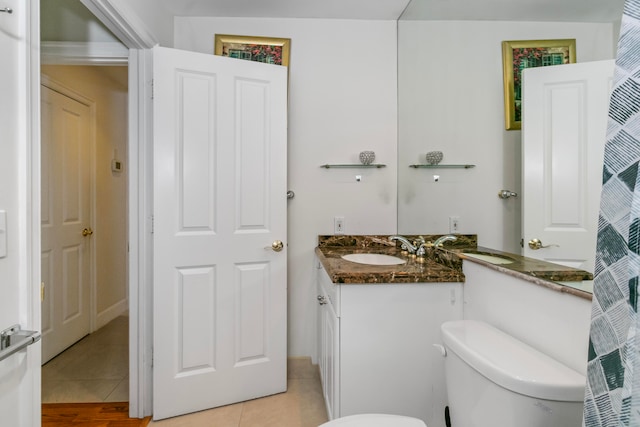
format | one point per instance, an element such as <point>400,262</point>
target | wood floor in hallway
<point>103,414</point>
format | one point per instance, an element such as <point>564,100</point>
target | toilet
<point>495,380</point>
<point>375,420</point>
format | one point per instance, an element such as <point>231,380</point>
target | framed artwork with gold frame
<point>520,54</point>
<point>269,50</point>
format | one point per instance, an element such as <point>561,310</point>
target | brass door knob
<point>277,246</point>
<point>87,232</point>
<point>536,244</point>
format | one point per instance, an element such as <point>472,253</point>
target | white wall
<point>555,323</point>
<point>451,99</point>
<point>107,87</point>
<point>342,100</point>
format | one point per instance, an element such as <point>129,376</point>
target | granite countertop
<point>437,265</point>
<point>331,248</point>
<point>540,272</point>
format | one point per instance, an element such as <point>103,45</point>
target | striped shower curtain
<point>612,396</point>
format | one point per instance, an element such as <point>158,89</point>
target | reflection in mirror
<point>450,99</point>
<point>563,144</point>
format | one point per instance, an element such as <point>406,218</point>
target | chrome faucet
<point>406,244</point>
<point>440,240</point>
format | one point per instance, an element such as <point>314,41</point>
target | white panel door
<point>563,132</point>
<point>220,315</point>
<point>65,201</point>
<point>19,303</point>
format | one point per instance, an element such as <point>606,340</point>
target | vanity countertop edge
<point>345,272</point>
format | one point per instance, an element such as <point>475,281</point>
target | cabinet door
<point>328,353</point>
<point>331,344</point>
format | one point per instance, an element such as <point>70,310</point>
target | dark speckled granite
<point>533,270</point>
<point>530,266</point>
<point>437,265</point>
<point>416,270</point>
<point>369,241</point>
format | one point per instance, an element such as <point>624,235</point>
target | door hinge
<point>152,88</point>
<point>152,223</point>
<point>41,291</point>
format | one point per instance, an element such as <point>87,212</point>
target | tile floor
<point>301,406</point>
<point>96,370</point>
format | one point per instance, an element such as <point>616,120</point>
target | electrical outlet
<point>454,224</point>
<point>338,225</point>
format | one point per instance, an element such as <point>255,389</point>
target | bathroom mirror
<point>450,98</point>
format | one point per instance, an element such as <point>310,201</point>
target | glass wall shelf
<point>355,165</point>
<point>443,166</point>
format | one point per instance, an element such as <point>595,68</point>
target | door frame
<point>29,199</point>
<point>138,42</point>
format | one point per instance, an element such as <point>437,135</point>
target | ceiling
<point>516,10</point>
<point>69,20</point>
<point>329,9</point>
<point>512,10</point>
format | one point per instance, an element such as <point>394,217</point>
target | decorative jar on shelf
<point>367,157</point>
<point>434,157</point>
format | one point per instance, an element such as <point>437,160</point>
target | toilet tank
<point>495,380</point>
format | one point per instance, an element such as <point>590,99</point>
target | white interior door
<point>220,316</point>
<point>563,133</point>
<point>19,212</point>
<point>65,201</point>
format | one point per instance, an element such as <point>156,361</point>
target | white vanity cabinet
<point>376,347</point>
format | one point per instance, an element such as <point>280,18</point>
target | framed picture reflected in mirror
<point>518,55</point>
<point>269,50</point>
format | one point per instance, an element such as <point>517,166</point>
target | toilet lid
<point>375,420</point>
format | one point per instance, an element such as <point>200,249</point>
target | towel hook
<point>7,10</point>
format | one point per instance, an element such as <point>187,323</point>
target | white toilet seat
<point>375,420</point>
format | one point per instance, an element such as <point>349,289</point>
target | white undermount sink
<point>374,259</point>
<point>490,258</point>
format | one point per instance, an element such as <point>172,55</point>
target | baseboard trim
<point>111,313</point>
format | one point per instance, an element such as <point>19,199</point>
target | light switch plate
<point>454,224</point>
<point>338,225</point>
<point>3,234</point>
